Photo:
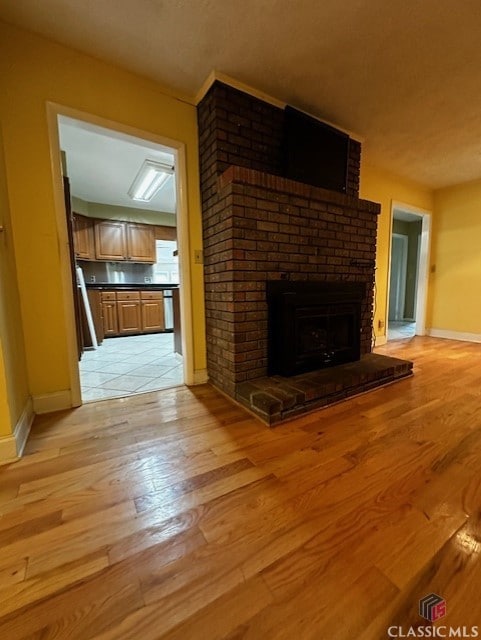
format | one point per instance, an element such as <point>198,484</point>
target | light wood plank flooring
<point>176,515</point>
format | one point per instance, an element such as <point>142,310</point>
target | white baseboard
<point>380,340</point>
<point>454,335</point>
<point>49,402</point>
<point>201,376</point>
<point>12,446</point>
<point>23,427</point>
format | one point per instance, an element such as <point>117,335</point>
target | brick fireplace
<point>260,227</point>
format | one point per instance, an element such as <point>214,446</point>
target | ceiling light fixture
<point>151,177</point>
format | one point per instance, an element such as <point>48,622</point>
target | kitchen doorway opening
<point>408,272</point>
<point>126,222</point>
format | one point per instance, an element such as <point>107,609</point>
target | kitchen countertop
<point>109,286</point>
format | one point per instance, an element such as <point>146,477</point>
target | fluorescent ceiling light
<point>151,177</point>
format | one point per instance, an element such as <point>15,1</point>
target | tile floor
<point>128,365</point>
<point>400,330</point>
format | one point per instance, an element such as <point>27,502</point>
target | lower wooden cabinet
<point>128,312</point>
<point>131,312</point>
<point>152,311</point>
<point>109,314</point>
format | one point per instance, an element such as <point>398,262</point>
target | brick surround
<point>237,129</point>
<point>259,226</point>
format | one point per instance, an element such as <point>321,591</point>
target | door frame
<point>402,279</point>
<point>423,263</point>
<point>55,110</point>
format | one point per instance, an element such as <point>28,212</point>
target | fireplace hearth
<point>313,325</point>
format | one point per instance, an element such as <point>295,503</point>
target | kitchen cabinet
<point>110,240</point>
<point>83,237</point>
<point>109,313</point>
<point>152,308</point>
<point>116,240</point>
<point>131,312</point>
<point>128,312</point>
<point>140,242</point>
<point>165,233</point>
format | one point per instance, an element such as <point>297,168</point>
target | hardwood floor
<point>177,515</point>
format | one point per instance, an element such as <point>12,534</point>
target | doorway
<point>144,337</point>
<point>398,278</point>
<point>410,238</point>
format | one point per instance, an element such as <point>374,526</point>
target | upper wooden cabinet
<point>140,242</point>
<point>116,240</point>
<point>83,237</point>
<point>165,233</point>
<point>110,240</point>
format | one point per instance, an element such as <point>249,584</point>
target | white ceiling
<point>102,164</point>
<point>404,75</point>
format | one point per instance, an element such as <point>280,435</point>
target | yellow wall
<point>383,187</point>
<point>455,304</point>
<point>33,71</point>
<point>13,373</point>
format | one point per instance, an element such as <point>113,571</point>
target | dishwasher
<point>168,310</point>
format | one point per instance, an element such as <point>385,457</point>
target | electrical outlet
<point>93,279</point>
<point>148,279</point>
<point>198,256</point>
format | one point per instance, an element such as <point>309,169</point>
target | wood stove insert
<point>313,325</point>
